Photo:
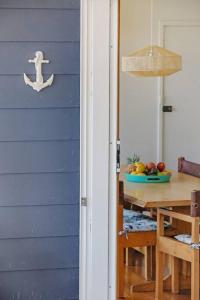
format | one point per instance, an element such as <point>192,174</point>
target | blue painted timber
<point>39,151</point>
<point>63,56</point>
<point>65,92</point>
<point>61,4</point>
<point>39,25</point>
<point>41,284</point>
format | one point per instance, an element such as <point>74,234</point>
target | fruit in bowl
<point>153,171</point>
<point>131,163</point>
<point>150,166</point>
<point>140,167</point>
<point>168,173</point>
<point>131,168</point>
<point>161,166</point>
<point>150,172</point>
<point>136,168</point>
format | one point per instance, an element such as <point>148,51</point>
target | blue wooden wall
<point>39,151</point>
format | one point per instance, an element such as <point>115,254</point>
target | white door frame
<point>114,27</point>
<point>98,149</point>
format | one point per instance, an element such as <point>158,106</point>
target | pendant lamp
<point>152,60</point>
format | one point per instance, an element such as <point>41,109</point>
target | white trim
<point>160,120</point>
<point>160,125</point>
<point>113,139</point>
<point>83,152</point>
<point>95,96</point>
<point>178,23</point>
<point>160,103</point>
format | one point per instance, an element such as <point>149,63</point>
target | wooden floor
<point>135,275</point>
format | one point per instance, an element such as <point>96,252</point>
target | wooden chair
<point>130,240</point>
<point>179,250</point>
<point>148,251</point>
<point>193,169</point>
<point>188,167</point>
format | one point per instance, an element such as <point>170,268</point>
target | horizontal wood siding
<point>39,157</point>
<point>41,124</point>
<point>34,4</point>
<point>39,221</point>
<point>39,151</point>
<point>65,92</point>
<point>42,24</point>
<point>32,254</point>
<point>64,58</point>
<point>43,284</point>
<point>39,189</point>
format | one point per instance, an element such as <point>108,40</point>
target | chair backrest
<point>195,204</point>
<point>191,168</point>
<point>123,198</point>
<point>121,192</point>
<point>188,167</point>
<point>120,206</point>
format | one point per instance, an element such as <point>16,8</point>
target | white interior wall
<point>139,96</point>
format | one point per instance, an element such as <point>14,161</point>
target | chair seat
<point>136,221</point>
<point>184,238</point>
<point>187,239</point>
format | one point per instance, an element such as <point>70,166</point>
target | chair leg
<point>159,275</point>
<point>147,263</point>
<point>175,267</point>
<point>121,271</point>
<point>186,271</point>
<point>126,256</point>
<point>195,275</point>
<point>153,263</point>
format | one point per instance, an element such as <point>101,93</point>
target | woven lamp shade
<point>152,61</point>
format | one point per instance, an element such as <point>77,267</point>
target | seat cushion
<point>187,239</point>
<point>130,215</point>
<point>184,238</point>
<point>136,221</point>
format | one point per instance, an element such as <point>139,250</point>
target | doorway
<point>144,128</point>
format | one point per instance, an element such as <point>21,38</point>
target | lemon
<point>140,167</point>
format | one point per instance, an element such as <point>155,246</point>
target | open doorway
<point>158,124</point>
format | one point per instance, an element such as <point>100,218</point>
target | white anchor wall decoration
<point>39,84</point>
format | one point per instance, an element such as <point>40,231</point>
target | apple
<point>161,166</point>
<point>150,166</point>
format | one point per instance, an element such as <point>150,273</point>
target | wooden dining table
<point>175,194</point>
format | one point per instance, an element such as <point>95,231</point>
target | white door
<point>182,91</point>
